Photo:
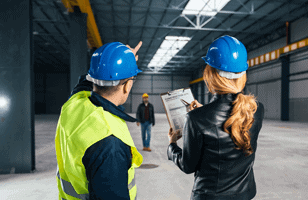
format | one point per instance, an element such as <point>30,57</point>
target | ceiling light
<point>204,7</point>
<point>168,48</point>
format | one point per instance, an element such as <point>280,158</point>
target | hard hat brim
<point>219,68</point>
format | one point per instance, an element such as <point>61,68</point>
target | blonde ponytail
<point>244,107</point>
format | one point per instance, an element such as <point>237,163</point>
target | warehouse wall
<point>299,83</point>
<point>39,85</point>
<point>299,29</point>
<point>264,81</point>
<point>299,87</point>
<point>267,48</point>
<point>265,84</point>
<point>51,92</point>
<point>154,85</point>
<point>57,92</point>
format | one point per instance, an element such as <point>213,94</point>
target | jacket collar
<point>98,100</point>
<point>229,97</point>
<point>144,103</point>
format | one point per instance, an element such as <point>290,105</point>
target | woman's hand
<point>174,136</point>
<point>195,104</point>
<point>135,49</point>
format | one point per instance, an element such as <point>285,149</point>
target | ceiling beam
<point>278,33</point>
<point>182,28</point>
<point>252,16</point>
<point>177,9</point>
<point>145,21</point>
<point>129,19</point>
<point>52,21</point>
<point>48,34</point>
<point>161,19</point>
<point>52,37</point>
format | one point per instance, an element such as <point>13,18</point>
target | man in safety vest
<point>95,152</point>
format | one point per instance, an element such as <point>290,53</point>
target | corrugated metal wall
<point>299,87</point>
<point>299,82</point>
<point>154,85</point>
<point>264,81</point>
<point>51,92</point>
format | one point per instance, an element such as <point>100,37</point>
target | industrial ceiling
<point>254,22</point>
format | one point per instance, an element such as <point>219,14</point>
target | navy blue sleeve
<point>107,163</point>
<point>82,85</point>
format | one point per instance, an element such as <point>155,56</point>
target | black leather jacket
<point>221,172</point>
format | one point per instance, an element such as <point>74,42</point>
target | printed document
<point>176,105</point>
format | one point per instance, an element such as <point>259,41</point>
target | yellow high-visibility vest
<point>81,124</point>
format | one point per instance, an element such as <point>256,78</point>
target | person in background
<point>220,138</point>
<point>96,154</point>
<point>145,116</point>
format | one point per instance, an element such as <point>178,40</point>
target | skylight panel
<point>166,44</point>
<point>204,7</point>
<point>162,51</point>
<point>169,48</point>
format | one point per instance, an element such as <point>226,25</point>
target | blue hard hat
<point>227,54</point>
<point>113,61</point>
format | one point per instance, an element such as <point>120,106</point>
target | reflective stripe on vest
<point>69,189</point>
<point>132,184</point>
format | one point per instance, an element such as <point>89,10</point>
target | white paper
<point>176,110</point>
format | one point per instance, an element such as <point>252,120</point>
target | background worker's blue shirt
<point>108,160</point>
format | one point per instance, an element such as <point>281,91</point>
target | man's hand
<point>195,104</point>
<point>138,123</point>
<point>135,50</point>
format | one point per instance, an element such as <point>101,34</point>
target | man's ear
<point>126,87</point>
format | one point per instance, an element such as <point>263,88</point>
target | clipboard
<point>176,104</point>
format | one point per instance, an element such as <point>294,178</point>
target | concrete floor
<point>281,166</point>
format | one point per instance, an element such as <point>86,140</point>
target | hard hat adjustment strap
<point>102,82</point>
<point>230,75</point>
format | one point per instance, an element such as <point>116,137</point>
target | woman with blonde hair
<point>220,138</point>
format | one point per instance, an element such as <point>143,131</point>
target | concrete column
<point>78,46</point>
<point>195,90</point>
<point>202,93</point>
<point>285,87</point>
<point>16,88</point>
<point>285,80</point>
